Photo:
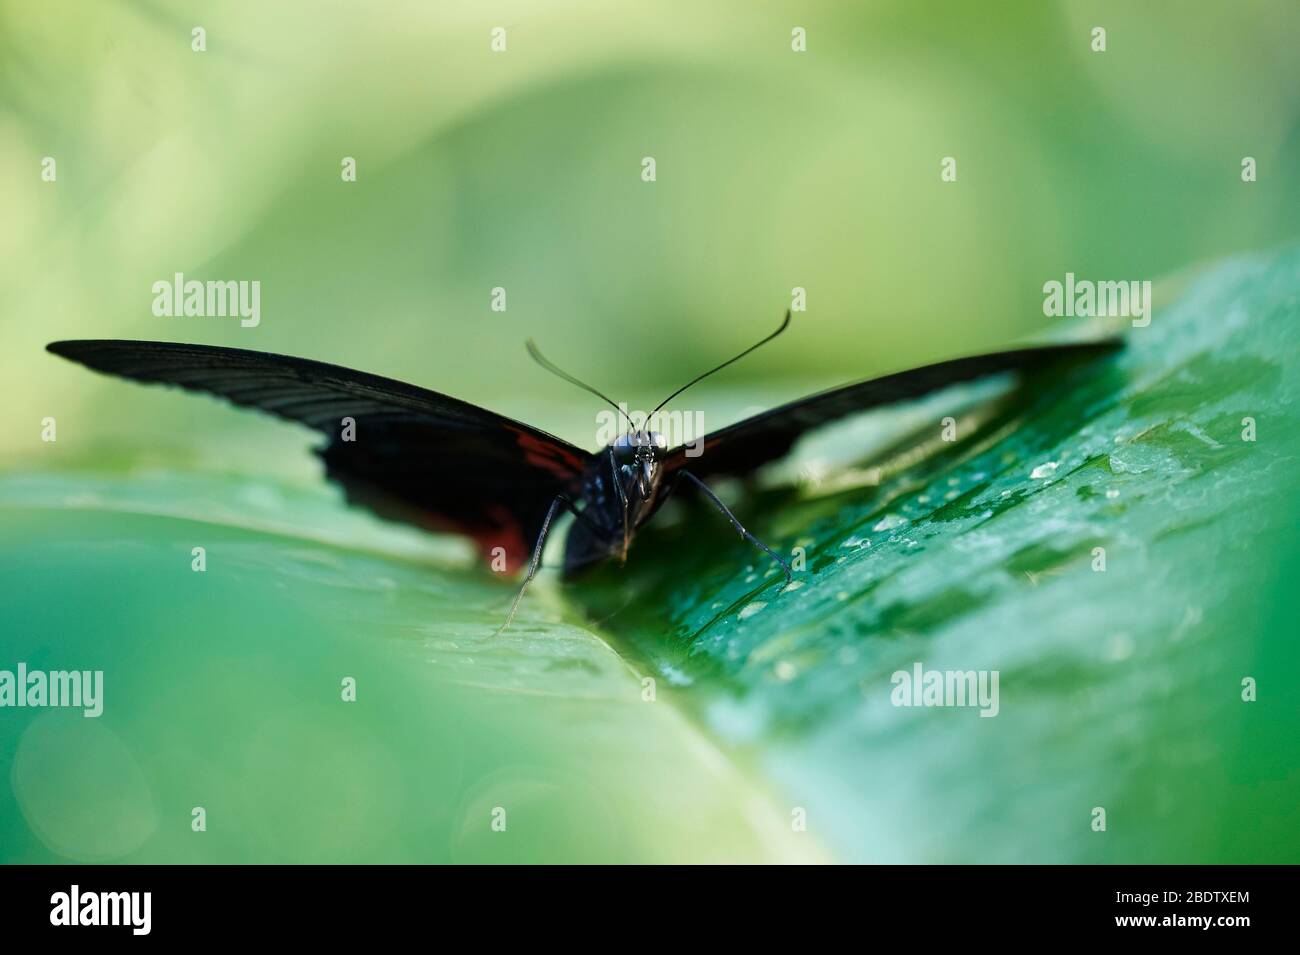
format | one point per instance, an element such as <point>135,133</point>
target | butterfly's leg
<point>789,575</point>
<point>537,556</point>
<point>622,499</point>
<point>581,515</point>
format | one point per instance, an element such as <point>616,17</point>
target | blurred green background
<point>522,170</point>
<point>519,169</point>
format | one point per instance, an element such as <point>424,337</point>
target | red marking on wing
<point>558,461</point>
<point>505,533</point>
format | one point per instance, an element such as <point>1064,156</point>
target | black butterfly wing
<point>744,446</point>
<point>416,455</point>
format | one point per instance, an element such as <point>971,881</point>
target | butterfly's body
<point>622,488</point>
<point>415,455</point>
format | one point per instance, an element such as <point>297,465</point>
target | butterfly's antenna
<point>545,363</point>
<point>784,325</point>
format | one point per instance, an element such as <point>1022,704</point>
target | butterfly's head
<point>638,454</point>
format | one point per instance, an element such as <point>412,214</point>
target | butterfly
<point>425,458</point>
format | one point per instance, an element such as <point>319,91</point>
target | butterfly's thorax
<point>620,490</point>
